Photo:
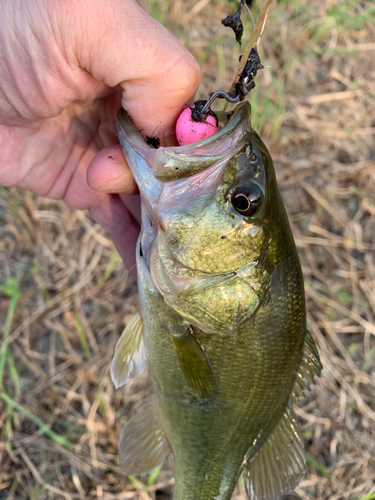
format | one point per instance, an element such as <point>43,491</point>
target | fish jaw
<point>150,167</point>
<point>139,157</point>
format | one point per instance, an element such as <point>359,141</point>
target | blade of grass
<point>136,482</point>
<point>43,426</point>
<point>368,359</point>
<point>115,257</point>
<point>10,289</point>
<point>220,61</point>
<point>368,497</point>
<point>317,466</point>
<point>154,475</point>
<point>14,377</point>
<point>82,337</point>
<point>11,419</point>
<point>219,40</point>
<point>9,424</point>
<point>42,487</point>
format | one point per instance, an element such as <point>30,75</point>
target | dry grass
<point>314,107</point>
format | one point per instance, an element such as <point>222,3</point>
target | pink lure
<point>189,131</point>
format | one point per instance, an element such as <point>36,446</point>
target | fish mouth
<point>177,162</point>
<point>154,170</point>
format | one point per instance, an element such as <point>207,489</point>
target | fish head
<point>212,224</point>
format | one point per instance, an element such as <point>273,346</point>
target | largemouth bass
<point>222,319</point>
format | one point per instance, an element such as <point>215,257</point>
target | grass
<point>313,463</point>
<point>352,16</point>
<point>40,424</point>
<point>82,336</point>
<point>8,289</point>
<point>64,295</point>
<point>368,497</point>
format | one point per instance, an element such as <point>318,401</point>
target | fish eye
<point>246,199</point>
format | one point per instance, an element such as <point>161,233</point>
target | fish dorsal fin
<point>279,464</point>
<point>309,366</point>
<point>142,445</point>
<point>130,359</point>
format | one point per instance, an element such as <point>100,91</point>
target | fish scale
<point>224,324</point>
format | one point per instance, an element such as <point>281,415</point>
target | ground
<point>65,295</point>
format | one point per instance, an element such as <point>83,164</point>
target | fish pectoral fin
<point>194,363</point>
<point>130,359</point>
<point>310,366</point>
<point>143,445</point>
<point>280,463</point>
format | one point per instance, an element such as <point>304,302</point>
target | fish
<point>222,318</point>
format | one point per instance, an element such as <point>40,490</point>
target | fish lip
<point>164,162</point>
<point>241,109</point>
<point>175,163</point>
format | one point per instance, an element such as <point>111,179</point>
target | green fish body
<point>222,318</point>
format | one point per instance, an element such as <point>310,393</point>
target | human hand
<point>65,69</point>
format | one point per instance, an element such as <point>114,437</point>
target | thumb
<point>125,46</point>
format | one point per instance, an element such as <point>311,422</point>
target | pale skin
<point>65,69</point>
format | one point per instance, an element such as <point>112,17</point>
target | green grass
<point>40,490</point>
<point>217,41</point>
<point>11,392</point>
<point>110,267</point>
<point>154,475</point>
<point>15,201</point>
<point>82,337</point>
<point>368,497</point>
<point>296,7</point>
<point>61,440</point>
<point>150,481</point>
<point>100,402</point>
<point>158,10</point>
<point>341,18</point>
<point>308,434</point>
<point>317,466</point>
<point>368,360</point>
<point>343,297</point>
<point>352,349</point>
<point>221,63</point>
<point>267,107</point>
<point>9,289</point>
<point>35,271</point>
<point>350,16</point>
